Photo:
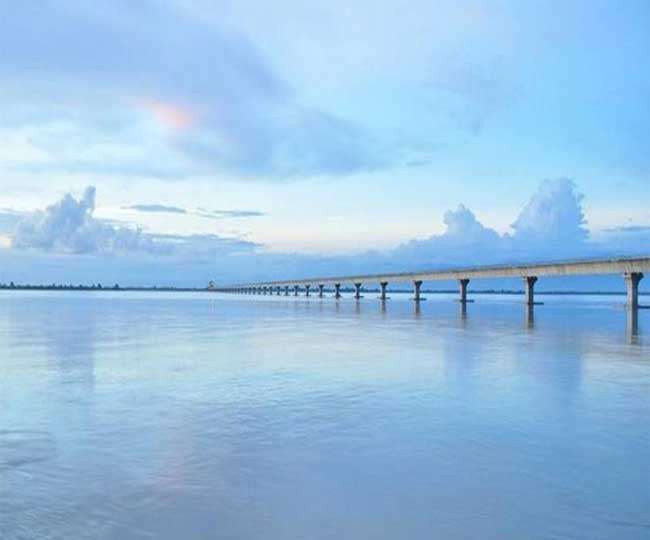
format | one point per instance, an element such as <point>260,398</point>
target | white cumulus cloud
<point>68,226</point>
<point>553,214</point>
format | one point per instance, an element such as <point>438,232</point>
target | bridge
<point>631,268</point>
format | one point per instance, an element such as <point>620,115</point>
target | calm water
<point>195,416</point>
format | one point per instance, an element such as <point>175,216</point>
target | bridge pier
<point>529,289</point>
<point>320,290</point>
<point>295,290</point>
<point>357,291</point>
<point>266,290</point>
<point>337,290</point>
<point>462,284</point>
<point>286,290</point>
<point>307,290</point>
<point>416,290</point>
<point>382,293</point>
<point>632,285</point>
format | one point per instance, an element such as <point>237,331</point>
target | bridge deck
<point>567,268</point>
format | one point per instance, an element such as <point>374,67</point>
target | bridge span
<point>631,268</point>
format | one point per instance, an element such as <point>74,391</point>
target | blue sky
<point>250,140</point>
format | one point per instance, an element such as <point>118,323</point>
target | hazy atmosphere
<point>302,140</point>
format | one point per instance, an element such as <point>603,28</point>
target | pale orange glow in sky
<point>172,116</point>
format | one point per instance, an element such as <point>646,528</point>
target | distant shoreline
<point>85,288</point>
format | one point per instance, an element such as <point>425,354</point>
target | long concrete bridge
<point>630,268</point>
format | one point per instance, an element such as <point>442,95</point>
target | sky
<point>174,142</point>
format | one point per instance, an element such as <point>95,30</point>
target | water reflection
<point>529,316</point>
<point>237,415</point>
<point>463,310</point>
<point>632,325</point>
<point>65,328</point>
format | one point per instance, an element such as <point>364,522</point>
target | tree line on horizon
<point>93,286</point>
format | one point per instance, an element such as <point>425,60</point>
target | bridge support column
<point>295,290</point>
<point>278,290</point>
<point>266,290</point>
<point>462,284</point>
<point>320,290</point>
<point>307,290</point>
<point>357,291</point>
<point>337,290</point>
<point>529,289</point>
<point>382,290</point>
<point>632,285</point>
<point>286,290</point>
<point>416,290</point>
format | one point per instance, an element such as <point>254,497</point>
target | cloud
<point>175,117</point>
<point>553,212</point>
<point>219,103</point>
<point>9,219</point>
<point>157,208</point>
<point>465,238</point>
<point>553,215</point>
<point>201,212</point>
<point>69,227</point>
<point>550,225</point>
<point>628,229</point>
<point>221,214</point>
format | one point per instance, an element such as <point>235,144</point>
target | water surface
<point>179,415</point>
